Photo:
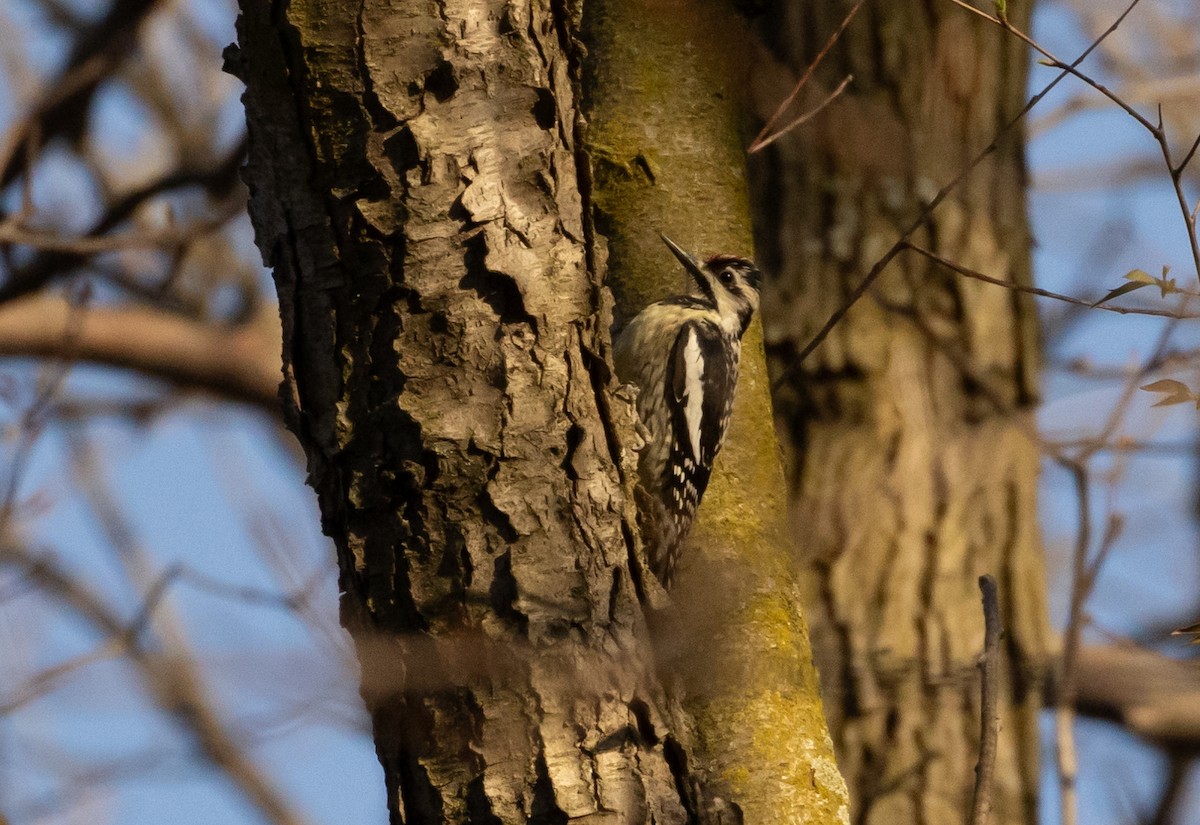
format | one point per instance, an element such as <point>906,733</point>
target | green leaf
<point>1141,276</point>
<point>1001,7</point>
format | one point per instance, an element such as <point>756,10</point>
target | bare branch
<point>877,269</point>
<point>1045,293</point>
<point>804,118</point>
<point>241,362</point>
<point>989,690</point>
<point>1174,789</point>
<point>1154,696</point>
<point>761,139</point>
<point>60,254</point>
<point>34,416</point>
<point>85,245</point>
<point>94,57</point>
<point>1183,164</point>
<point>1155,129</point>
<point>172,680</point>
<point>1083,579</point>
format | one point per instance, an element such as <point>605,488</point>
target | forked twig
<point>802,119</point>
<point>921,219</point>
<point>1156,130</point>
<point>765,137</point>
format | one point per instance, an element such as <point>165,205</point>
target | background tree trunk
<point>414,183</point>
<point>663,109</point>
<point>912,464</point>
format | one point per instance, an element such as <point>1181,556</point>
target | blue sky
<point>1088,235</point>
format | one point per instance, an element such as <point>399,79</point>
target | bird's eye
<point>726,276</point>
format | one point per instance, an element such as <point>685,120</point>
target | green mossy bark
<point>668,156</point>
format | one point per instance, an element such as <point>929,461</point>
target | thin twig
<point>1044,293</point>
<point>761,139</point>
<point>32,147</point>
<point>1129,445</point>
<point>1174,359</point>
<point>1064,712</point>
<point>35,416</point>
<point>1129,390</point>
<point>1083,580</point>
<point>921,219</point>
<point>1112,531</point>
<point>1174,790</point>
<point>1183,164</point>
<point>804,118</point>
<point>989,690</point>
<point>1156,130</point>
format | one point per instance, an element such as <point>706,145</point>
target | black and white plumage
<point>682,353</point>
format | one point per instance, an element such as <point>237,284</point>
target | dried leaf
<point>1123,289</point>
<point>1166,385</point>
<point>1190,630</point>
<point>1173,392</point>
<point>1172,400</point>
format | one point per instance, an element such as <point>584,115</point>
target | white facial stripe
<point>693,390</point>
<point>728,305</point>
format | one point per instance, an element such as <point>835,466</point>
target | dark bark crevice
<point>415,178</point>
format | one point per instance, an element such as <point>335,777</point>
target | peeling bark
<point>415,184</point>
<point>912,465</point>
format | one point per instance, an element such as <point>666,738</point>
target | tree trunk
<point>414,183</point>
<point>664,113</point>
<point>913,463</point>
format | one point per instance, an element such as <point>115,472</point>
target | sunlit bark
<point>414,183</point>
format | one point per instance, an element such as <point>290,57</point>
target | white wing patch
<point>693,390</point>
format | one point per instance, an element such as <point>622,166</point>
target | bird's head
<point>728,283</point>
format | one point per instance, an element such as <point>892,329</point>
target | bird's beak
<point>689,263</point>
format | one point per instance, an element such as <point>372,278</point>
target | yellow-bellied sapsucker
<point>682,354</point>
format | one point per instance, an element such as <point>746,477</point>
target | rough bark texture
<point>668,157</point>
<point>414,183</point>
<point>911,464</point>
